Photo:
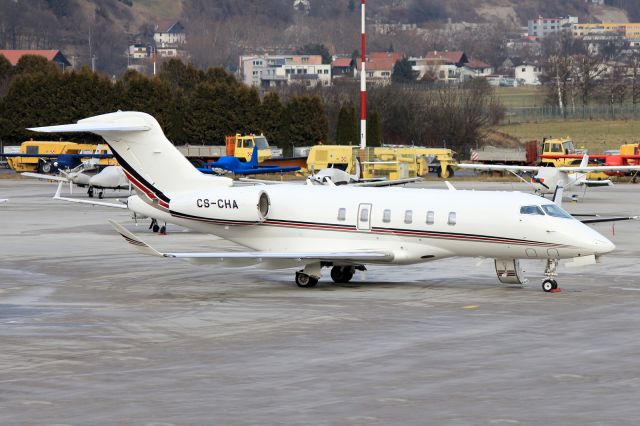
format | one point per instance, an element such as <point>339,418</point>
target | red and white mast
<point>363,85</point>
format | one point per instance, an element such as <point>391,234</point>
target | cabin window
<point>431,216</point>
<point>535,210</point>
<point>342,213</point>
<point>408,216</point>
<point>248,143</point>
<point>452,218</point>
<point>32,149</point>
<point>364,214</point>
<point>386,216</point>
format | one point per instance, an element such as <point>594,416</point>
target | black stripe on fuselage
<point>138,177</point>
<point>391,231</point>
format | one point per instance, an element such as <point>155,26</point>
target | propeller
<point>539,181</point>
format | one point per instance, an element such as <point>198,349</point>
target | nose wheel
<point>305,281</point>
<point>550,285</point>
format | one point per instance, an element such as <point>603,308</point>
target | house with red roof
<point>55,56</point>
<point>379,66</point>
<point>449,67</point>
<point>343,67</point>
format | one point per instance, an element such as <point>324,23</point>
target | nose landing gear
<point>550,285</point>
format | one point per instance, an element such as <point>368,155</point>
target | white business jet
<point>548,179</point>
<point>342,227</point>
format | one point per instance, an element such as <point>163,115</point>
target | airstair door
<point>364,217</point>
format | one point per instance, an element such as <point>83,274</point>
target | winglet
<point>140,245</point>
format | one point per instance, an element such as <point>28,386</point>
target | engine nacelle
<point>509,271</point>
<point>223,206</point>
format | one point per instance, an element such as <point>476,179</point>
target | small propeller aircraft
<point>547,179</point>
<point>336,176</point>
<point>341,227</point>
<point>230,164</point>
<point>110,177</point>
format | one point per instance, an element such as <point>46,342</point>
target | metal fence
<point>586,112</point>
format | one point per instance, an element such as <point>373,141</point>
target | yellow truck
<point>242,146</point>
<point>43,156</point>
<point>391,162</point>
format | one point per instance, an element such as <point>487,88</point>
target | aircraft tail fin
<point>557,195</point>
<point>358,174</point>
<point>585,161</point>
<point>152,164</point>
<point>254,157</point>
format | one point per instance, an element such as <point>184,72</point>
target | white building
<point>278,70</point>
<point>528,74</point>
<point>138,51</point>
<point>169,34</point>
<point>541,27</point>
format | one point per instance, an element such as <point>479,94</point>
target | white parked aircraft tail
<point>150,161</point>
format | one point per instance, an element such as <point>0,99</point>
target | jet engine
<point>225,206</point>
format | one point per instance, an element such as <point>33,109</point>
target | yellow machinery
<point>391,162</point>
<point>45,153</point>
<point>554,152</point>
<point>242,146</point>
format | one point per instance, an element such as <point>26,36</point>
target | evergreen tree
<point>29,64</point>
<point>305,121</point>
<point>270,118</point>
<point>137,92</point>
<point>180,76</point>
<point>402,72</point>
<point>315,49</point>
<point>347,132</point>
<point>5,68</point>
<point>374,129</point>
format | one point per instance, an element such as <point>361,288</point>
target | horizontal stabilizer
<point>135,241</point>
<point>92,128</point>
<point>257,256</point>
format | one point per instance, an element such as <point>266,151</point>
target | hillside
<point>220,30</point>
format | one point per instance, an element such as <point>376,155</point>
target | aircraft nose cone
<point>604,246</point>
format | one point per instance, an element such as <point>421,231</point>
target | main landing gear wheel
<point>100,195</point>
<point>548,285</point>
<point>305,281</point>
<point>90,192</point>
<point>342,274</point>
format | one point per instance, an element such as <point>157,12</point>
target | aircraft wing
<point>387,182</point>
<point>599,169</point>
<point>45,177</point>
<point>263,170</point>
<point>256,256</point>
<point>498,167</point>
<point>90,202</point>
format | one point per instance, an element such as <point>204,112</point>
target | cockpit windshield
<point>555,211</point>
<point>549,209</point>
<point>531,210</point>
